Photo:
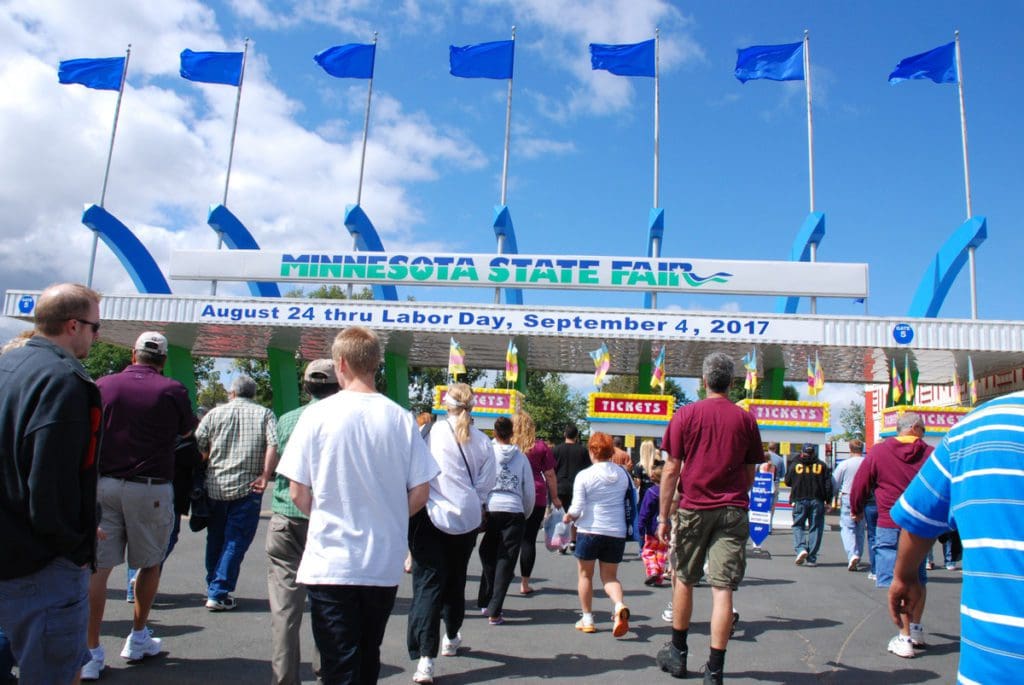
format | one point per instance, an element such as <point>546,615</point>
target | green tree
<point>212,391</point>
<point>105,359</point>
<point>851,419</point>
<point>553,404</point>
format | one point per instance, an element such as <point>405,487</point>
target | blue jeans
<point>887,542</point>
<point>851,531</point>
<point>230,531</point>
<point>6,660</point>
<point>870,523</point>
<point>44,615</point>
<point>809,512</point>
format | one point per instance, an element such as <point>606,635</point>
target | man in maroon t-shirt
<point>143,414</point>
<point>721,446</point>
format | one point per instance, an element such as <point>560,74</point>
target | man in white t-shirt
<point>358,468</point>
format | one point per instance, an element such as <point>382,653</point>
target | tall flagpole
<point>810,145</point>
<point>967,172</point>
<point>362,157</point>
<point>504,164</point>
<point>110,154</point>
<point>656,243</point>
<point>231,147</point>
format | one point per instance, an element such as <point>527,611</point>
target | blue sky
<point>889,173</point>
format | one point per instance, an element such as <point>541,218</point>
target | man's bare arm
<point>302,496</point>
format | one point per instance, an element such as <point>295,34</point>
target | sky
<point>889,170</point>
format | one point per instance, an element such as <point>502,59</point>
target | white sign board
<point>640,274</point>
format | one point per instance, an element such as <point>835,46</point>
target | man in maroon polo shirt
<point>721,446</point>
<point>143,414</point>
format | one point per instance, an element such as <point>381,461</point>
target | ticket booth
<point>793,424</point>
<point>644,416</point>
<point>490,404</point>
<point>937,420</point>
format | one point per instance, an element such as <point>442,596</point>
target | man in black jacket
<point>49,434</point>
<point>810,481</point>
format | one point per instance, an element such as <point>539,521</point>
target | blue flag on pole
<point>483,60</point>
<point>773,62</point>
<point>354,60</point>
<point>212,67</point>
<point>633,59</point>
<point>939,65</point>
<point>103,73</point>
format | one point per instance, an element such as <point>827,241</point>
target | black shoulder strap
<point>464,460</point>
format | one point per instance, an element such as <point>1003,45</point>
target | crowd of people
<point>96,474</point>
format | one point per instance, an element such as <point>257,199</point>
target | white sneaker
<point>425,670</point>
<point>92,670</point>
<point>917,636</point>
<point>854,561</point>
<point>902,646</point>
<point>666,615</point>
<point>801,557</point>
<point>451,647</point>
<point>872,576</point>
<point>136,650</point>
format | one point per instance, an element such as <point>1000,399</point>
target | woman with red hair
<point>599,510</point>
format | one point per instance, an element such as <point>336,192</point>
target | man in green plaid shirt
<point>240,441</point>
<point>286,539</point>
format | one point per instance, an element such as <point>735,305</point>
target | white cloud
<point>341,14</point>
<point>289,184</point>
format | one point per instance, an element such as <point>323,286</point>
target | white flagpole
<point>231,147</point>
<point>504,165</point>
<point>810,145</point>
<point>967,171</point>
<point>656,243</point>
<point>110,154</point>
<point>362,158</point>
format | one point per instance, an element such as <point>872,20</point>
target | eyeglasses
<point>95,325</point>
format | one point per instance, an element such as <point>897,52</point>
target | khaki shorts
<point>138,516</point>
<point>720,535</point>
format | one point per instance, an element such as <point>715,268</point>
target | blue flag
<point>634,59</point>
<point>939,65</point>
<point>483,60</point>
<point>354,60</point>
<point>773,62</point>
<point>212,67</point>
<point>103,73</point>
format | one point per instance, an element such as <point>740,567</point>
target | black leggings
<point>528,550</point>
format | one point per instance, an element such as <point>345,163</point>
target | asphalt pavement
<point>797,625</point>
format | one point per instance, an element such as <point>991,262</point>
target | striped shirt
<point>974,482</point>
<point>236,436</point>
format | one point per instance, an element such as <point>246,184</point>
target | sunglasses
<point>94,324</point>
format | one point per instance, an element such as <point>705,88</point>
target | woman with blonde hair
<point>443,534</point>
<point>542,461</point>
<point>599,510</point>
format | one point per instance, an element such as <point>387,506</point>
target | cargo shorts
<point>718,535</point>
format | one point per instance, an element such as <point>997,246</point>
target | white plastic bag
<point>556,533</point>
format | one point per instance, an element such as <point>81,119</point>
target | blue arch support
<point>503,229</point>
<point>655,231</point>
<point>238,237</point>
<point>148,280</point>
<point>367,240</point>
<point>134,256</point>
<point>810,233</point>
<point>945,266</point>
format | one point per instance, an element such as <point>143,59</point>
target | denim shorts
<point>886,542</point>
<point>604,548</point>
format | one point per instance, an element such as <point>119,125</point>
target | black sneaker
<point>711,677</point>
<point>672,661</point>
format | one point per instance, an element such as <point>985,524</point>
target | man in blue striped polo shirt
<point>973,482</point>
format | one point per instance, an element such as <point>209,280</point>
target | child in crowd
<point>655,551</point>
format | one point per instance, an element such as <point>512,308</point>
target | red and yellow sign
<point>812,416</point>
<point>937,420</point>
<point>488,401</point>
<point>610,406</point>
